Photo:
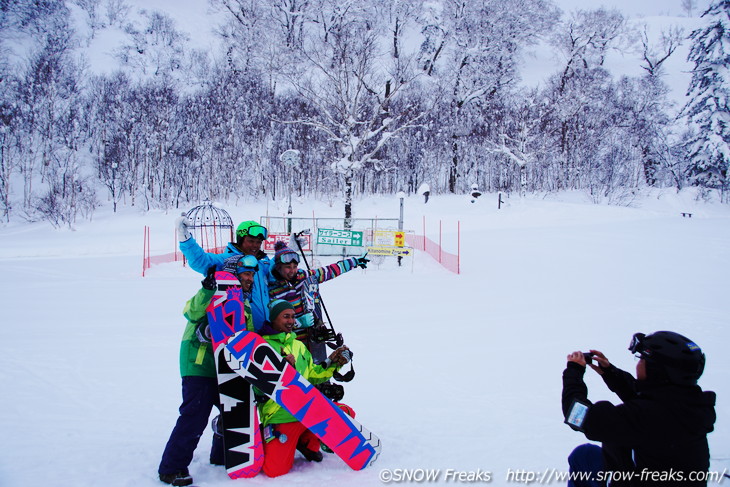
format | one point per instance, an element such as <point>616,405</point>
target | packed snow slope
<point>454,371</point>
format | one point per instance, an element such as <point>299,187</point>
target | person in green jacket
<point>199,381</point>
<point>283,434</point>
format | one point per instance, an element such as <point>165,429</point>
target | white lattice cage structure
<point>212,227</point>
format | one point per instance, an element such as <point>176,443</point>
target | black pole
<point>348,376</point>
<point>321,301</point>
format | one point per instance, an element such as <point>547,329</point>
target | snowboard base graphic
<point>244,451</point>
<point>251,357</point>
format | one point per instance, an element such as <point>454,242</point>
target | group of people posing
<point>279,307</point>
<point>657,436</point>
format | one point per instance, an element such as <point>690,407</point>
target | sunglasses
<point>257,231</point>
<point>247,263</point>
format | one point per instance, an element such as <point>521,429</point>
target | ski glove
<point>362,262</point>
<point>347,355</point>
<point>306,320</point>
<point>183,233</point>
<point>203,332</point>
<point>340,357</point>
<point>299,239</point>
<point>209,282</point>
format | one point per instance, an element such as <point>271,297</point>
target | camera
<point>588,356</point>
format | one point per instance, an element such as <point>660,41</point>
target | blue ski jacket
<point>200,261</point>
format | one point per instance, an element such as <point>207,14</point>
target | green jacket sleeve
<point>195,307</point>
<point>315,374</point>
<point>249,315</point>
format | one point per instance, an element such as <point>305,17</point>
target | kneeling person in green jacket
<point>283,434</point>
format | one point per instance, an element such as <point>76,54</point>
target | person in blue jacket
<point>249,237</point>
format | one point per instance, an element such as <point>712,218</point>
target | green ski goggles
<point>256,231</point>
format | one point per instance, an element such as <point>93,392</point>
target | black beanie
<point>276,307</point>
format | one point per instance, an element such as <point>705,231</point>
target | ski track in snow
<point>453,371</point>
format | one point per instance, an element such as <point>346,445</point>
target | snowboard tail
<point>254,359</point>
<point>244,451</point>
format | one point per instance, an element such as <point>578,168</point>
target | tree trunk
<point>348,201</point>
<point>453,170</point>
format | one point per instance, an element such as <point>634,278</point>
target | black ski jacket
<point>659,427</point>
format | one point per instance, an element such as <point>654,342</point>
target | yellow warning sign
<point>389,238</point>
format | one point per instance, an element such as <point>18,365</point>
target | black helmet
<point>678,356</point>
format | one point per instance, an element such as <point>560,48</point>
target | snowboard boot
<point>216,451</point>
<point>312,456</point>
<point>177,479</point>
<point>216,426</point>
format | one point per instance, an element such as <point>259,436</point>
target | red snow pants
<point>279,457</point>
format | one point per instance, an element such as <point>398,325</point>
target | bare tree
<point>689,6</point>
<point>653,56</point>
<point>156,48</point>
<point>343,78</point>
<point>475,55</point>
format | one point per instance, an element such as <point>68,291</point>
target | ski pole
<point>348,376</point>
<point>304,257</point>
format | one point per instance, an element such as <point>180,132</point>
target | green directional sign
<point>339,237</point>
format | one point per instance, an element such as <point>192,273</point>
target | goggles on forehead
<point>248,263</point>
<point>257,231</point>
<point>289,257</point>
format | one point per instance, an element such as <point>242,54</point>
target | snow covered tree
<point>520,140</point>
<point>109,106</point>
<point>10,136</point>
<point>93,11</point>
<point>353,86</point>
<point>473,49</point>
<point>156,48</point>
<point>645,105</point>
<point>709,92</point>
<point>689,6</point>
<point>581,93</point>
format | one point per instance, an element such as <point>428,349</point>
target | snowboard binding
<point>319,333</point>
<point>333,392</point>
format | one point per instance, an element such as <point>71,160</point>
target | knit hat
<point>284,254</point>
<point>276,307</point>
<point>240,263</point>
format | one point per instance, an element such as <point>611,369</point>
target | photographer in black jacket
<point>658,436</point>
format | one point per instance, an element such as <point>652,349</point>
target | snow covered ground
<point>453,371</point>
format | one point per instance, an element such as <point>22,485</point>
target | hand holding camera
<point>593,358</point>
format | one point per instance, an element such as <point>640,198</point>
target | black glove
<point>362,262</point>
<point>203,332</point>
<point>260,255</point>
<point>209,281</point>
